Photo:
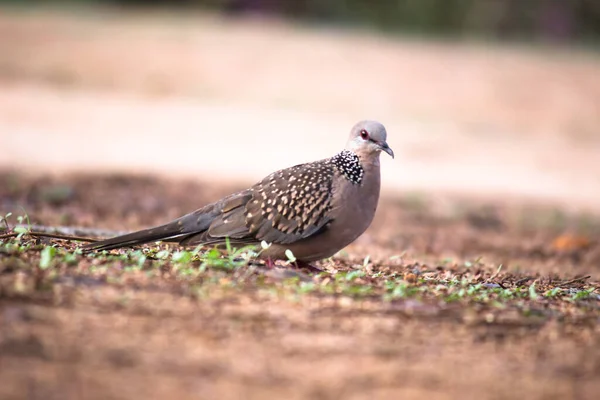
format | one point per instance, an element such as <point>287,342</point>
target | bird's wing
<point>289,205</point>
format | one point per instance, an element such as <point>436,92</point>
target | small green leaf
<point>71,258</point>
<point>306,287</point>
<point>532,293</point>
<point>352,275</point>
<point>213,254</point>
<point>162,255</point>
<point>182,257</point>
<point>141,260</point>
<point>366,261</point>
<point>554,292</point>
<point>47,255</point>
<point>582,294</point>
<point>290,256</point>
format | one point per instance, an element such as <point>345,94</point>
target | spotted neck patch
<point>348,164</point>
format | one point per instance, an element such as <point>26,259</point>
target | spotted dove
<point>313,209</point>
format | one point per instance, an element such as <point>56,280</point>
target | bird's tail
<point>167,232</point>
<point>189,229</point>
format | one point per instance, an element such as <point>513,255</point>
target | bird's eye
<point>364,134</point>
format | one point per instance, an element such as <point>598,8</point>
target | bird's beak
<point>384,147</point>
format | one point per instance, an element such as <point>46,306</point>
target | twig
<point>8,235</point>
<point>71,231</point>
<point>522,281</point>
<point>63,237</point>
<point>576,280</point>
<point>49,235</point>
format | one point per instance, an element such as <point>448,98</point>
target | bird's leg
<point>303,264</point>
<point>270,263</point>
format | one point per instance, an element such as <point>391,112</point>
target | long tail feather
<point>168,231</point>
<point>193,225</point>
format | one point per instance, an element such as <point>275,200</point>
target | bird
<point>313,209</point>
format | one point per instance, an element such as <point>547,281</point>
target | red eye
<point>364,134</point>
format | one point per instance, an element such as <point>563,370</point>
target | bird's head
<point>368,139</point>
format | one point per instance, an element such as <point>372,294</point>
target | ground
<point>486,289</point>
<point>492,301</point>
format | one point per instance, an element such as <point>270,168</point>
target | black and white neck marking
<point>348,164</point>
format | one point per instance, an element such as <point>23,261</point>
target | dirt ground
<point>86,332</point>
<point>478,278</point>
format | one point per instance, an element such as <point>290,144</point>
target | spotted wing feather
<point>291,204</point>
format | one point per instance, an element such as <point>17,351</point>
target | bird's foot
<point>304,265</point>
<point>269,263</point>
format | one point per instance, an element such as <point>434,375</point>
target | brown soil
<point>80,333</point>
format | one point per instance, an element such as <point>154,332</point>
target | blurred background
<point>482,98</point>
